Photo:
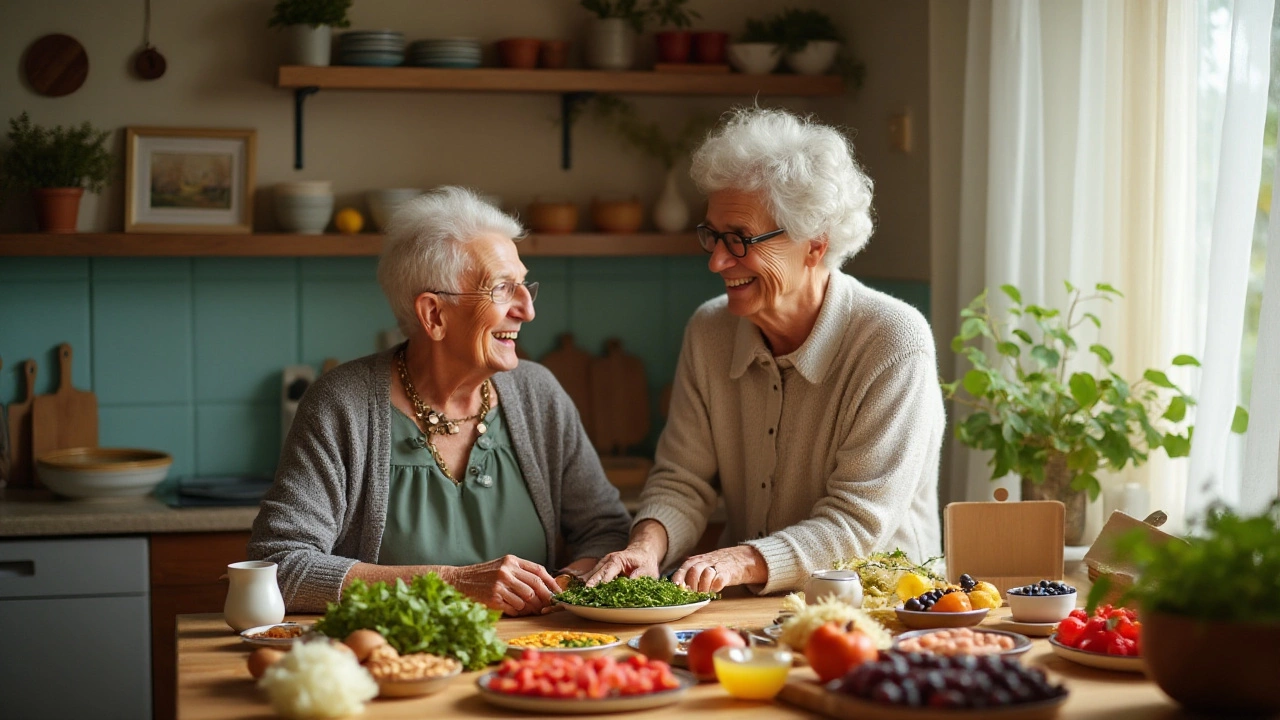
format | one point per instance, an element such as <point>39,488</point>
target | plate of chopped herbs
<point>633,601</point>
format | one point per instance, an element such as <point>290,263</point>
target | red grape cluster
<point>963,681</point>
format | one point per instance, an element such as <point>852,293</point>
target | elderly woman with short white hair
<point>446,454</point>
<point>807,401</point>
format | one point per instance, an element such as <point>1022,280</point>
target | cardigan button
<point>474,470</point>
<point>486,481</point>
<point>484,443</point>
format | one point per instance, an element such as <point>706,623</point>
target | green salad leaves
<point>625,592</point>
<point>429,615</point>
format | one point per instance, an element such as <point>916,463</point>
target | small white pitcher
<point>845,585</point>
<point>253,598</point>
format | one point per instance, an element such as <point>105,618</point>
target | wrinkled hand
<point>633,561</point>
<point>719,569</point>
<point>509,584</point>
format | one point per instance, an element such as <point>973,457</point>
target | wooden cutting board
<point>66,418</point>
<point>1008,544</point>
<point>803,691</point>
<point>20,467</point>
<point>619,400</point>
<point>572,367</point>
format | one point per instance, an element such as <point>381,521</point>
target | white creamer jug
<point>845,585</point>
<point>253,598</point>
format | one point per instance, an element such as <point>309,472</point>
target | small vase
<point>709,47</point>
<point>611,44</point>
<point>253,597</point>
<point>674,46</point>
<point>310,45</point>
<point>57,209</point>
<point>1057,486</point>
<point>670,213</point>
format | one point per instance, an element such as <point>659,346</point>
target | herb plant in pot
<point>611,34</point>
<point>1057,431</point>
<point>1210,612</point>
<point>309,24</point>
<point>758,51</point>
<point>674,46</point>
<point>57,165</point>
<point>809,39</point>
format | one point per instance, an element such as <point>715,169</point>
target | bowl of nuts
<point>409,675</point>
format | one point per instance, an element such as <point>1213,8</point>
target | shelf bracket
<point>299,97</point>
<point>569,104</point>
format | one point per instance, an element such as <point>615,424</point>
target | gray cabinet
<point>75,629</point>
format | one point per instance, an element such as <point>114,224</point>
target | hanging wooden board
<point>20,467</point>
<point>1007,544</point>
<point>56,65</point>
<point>67,418</point>
<point>619,400</point>
<point>572,367</point>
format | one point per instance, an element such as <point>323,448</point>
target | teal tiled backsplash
<point>185,354</point>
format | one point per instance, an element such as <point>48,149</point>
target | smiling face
<point>478,330</point>
<point>771,273</point>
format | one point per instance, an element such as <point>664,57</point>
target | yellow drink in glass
<point>752,673</point>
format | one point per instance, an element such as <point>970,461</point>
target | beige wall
<point>222,61</point>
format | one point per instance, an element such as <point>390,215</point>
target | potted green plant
<point>1057,431</point>
<point>809,39</point>
<point>674,46</point>
<point>758,50</point>
<point>611,35</point>
<point>56,165</point>
<point>310,23</point>
<point>1210,611</point>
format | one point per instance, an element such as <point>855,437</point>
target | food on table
<point>985,595</point>
<point>834,650</point>
<point>572,676</point>
<point>808,618</point>
<point>562,639</point>
<point>428,615</point>
<point>261,659</point>
<point>964,681</point>
<point>1113,631</point>
<point>363,642</point>
<point>958,641</point>
<point>752,673</point>
<point>705,644</point>
<point>625,592</point>
<point>883,573</point>
<point>952,602</point>
<point>318,680</point>
<point>1043,588</point>
<point>279,632</point>
<point>384,664</point>
<point>968,595</point>
<point>911,585</point>
<point>659,643</point>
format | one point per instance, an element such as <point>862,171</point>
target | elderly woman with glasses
<point>445,454</point>
<point>807,401</point>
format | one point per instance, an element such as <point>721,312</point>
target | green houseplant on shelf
<point>309,24</point>
<point>1209,611</point>
<point>611,35</point>
<point>809,39</point>
<point>57,165</point>
<point>676,42</point>
<point>1057,431</point>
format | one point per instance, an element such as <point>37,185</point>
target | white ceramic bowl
<point>383,203</point>
<point>754,58</point>
<point>305,214</point>
<point>1040,608</point>
<point>305,187</point>
<point>815,59</point>
<point>87,473</point>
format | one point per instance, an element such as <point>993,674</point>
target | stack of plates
<point>379,48</point>
<point>445,53</point>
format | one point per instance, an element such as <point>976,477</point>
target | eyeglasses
<point>734,242</point>
<point>501,294</point>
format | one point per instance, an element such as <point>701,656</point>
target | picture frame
<point>189,180</point>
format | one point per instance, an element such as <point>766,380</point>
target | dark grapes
<point>1044,588</point>
<point>926,680</point>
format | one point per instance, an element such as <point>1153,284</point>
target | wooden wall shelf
<point>553,81</point>
<point>287,245</point>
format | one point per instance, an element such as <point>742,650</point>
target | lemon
<point>911,585</point>
<point>349,221</point>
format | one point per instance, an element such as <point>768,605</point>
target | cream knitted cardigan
<point>827,453</point>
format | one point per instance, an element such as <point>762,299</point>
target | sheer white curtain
<point>1079,163</point>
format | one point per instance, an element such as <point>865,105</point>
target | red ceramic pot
<point>519,52</point>
<point>1211,666</point>
<point>673,46</point>
<point>57,208</point>
<point>554,54</point>
<point>708,47</point>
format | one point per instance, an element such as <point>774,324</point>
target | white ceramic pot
<point>670,213</point>
<point>815,59</point>
<point>253,597</point>
<point>611,44</point>
<point>845,585</point>
<point>305,214</point>
<point>309,45</point>
<point>383,203</point>
<point>755,58</point>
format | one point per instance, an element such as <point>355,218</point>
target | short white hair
<point>807,172</point>
<point>423,248</point>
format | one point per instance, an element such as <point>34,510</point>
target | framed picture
<point>187,180</point>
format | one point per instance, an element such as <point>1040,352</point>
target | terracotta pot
<point>1057,486</point>
<point>553,218</point>
<point>708,47</point>
<point>674,45</point>
<point>1214,667</point>
<point>554,54</point>
<point>57,208</point>
<point>620,216</point>
<point>519,52</point>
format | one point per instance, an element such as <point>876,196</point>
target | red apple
<point>705,644</point>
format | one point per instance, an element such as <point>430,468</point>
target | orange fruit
<point>952,602</point>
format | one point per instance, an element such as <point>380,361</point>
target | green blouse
<point>433,521</point>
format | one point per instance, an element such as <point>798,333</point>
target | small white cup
<point>253,596</point>
<point>845,585</point>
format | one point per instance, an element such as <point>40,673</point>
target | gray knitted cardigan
<point>328,506</point>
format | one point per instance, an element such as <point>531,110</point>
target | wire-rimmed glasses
<point>501,294</point>
<point>734,242</point>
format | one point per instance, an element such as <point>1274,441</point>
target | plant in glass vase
<point>1053,429</point>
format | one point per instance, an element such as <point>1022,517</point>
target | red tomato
<point>1071,631</point>
<point>832,652</point>
<point>1079,614</point>
<point>704,645</point>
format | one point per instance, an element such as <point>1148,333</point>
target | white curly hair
<point>811,182</point>
<point>423,249</point>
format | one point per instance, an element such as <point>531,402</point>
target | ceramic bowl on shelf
<point>617,216</point>
<point>383,203</point>
<point>816,58</point>
<point>755,58</point>
<point>95,473</point>
<point>552,217</point>
<point>305,214</point>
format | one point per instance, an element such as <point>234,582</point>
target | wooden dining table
<point>214,681</point>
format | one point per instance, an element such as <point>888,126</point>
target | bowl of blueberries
<point>1043,602</point>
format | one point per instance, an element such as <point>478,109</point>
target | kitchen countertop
<point>33,513</point>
